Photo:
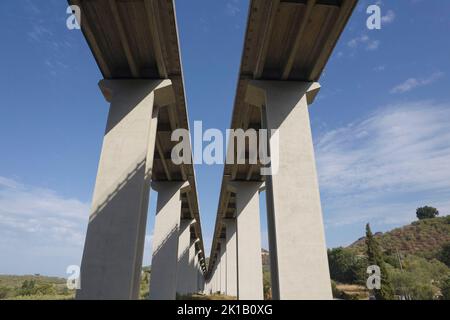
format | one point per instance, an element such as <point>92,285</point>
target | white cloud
<point>388,18</point>
<point>364,40</point>
<point>38,223</point>
<point>381,168</point>
<point>373,45</point>
<point>413,83</point>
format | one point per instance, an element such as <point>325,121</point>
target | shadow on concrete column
<point>249,262</point>
<point>163,280</point>
<point>299,265</point>
<point>112,256</point>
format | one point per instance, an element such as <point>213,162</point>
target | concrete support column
<point>231,249</point>
<point>249,261</point>
<point>113,251</point>
<point>184,257</point>
<point>192,281</point>
<point>196,274</point>
<point>217,278</point>
<point>296,234</point>
<point>218,274</point>
<point>223,267</point>
<point>163,280</point>
<point>199,273</point>
<point>201,279</point>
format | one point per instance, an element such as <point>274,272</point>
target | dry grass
<point>353,291</point>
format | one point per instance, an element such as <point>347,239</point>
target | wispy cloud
<point>39,32</point>
<point>31,7</point>
<point>36,223</point>
<point>389,17</point>
<point>413,83</point>
<point>42,37</point>
<point>41,212</point>
<point>381,168</point>
<point>232,7</point>
<point>365,41</point>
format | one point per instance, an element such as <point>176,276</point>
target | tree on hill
<point>426,213</point>
<point>375,257</point>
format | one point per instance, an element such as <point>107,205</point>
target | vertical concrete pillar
<point>196,273</point>
<point>214,281</point>
<point>218,273</point>
<point>113,251</point>
<point>217,278</point>
<point>184,258</point>
<point>231,284</point>
<point>192,280</point>
<point>296,234</point>
<point>208,285</point>
<point>223,267</point>
<point>163,280</point>
<point>249,261</point>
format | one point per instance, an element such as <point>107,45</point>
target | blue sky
<point>381,122</point>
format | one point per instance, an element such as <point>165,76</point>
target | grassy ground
<point>353,291</point>
<point>34,287</point>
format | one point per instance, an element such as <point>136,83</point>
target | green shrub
<point>4,292</point>
<point>346,266</point>
<point>419,279</point>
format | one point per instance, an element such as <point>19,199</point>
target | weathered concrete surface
<point>249,262</point>
<point>112,257</point>
<point>296,233</point>
<point>223,268</point>
<point>231,289</point>
<point>184,272</point>
<point>163,280</point>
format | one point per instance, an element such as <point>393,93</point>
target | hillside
<point>34,287</point>
<point>415,257</point>
<point>423,238</point>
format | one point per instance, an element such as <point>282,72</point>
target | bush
<point>4,292</point>
<point>419,278</point>
<point>346,266</point>
<point>28,288</point>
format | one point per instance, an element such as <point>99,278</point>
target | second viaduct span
<point>135,44</point>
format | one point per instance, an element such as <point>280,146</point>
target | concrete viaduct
<point>135,43</point>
